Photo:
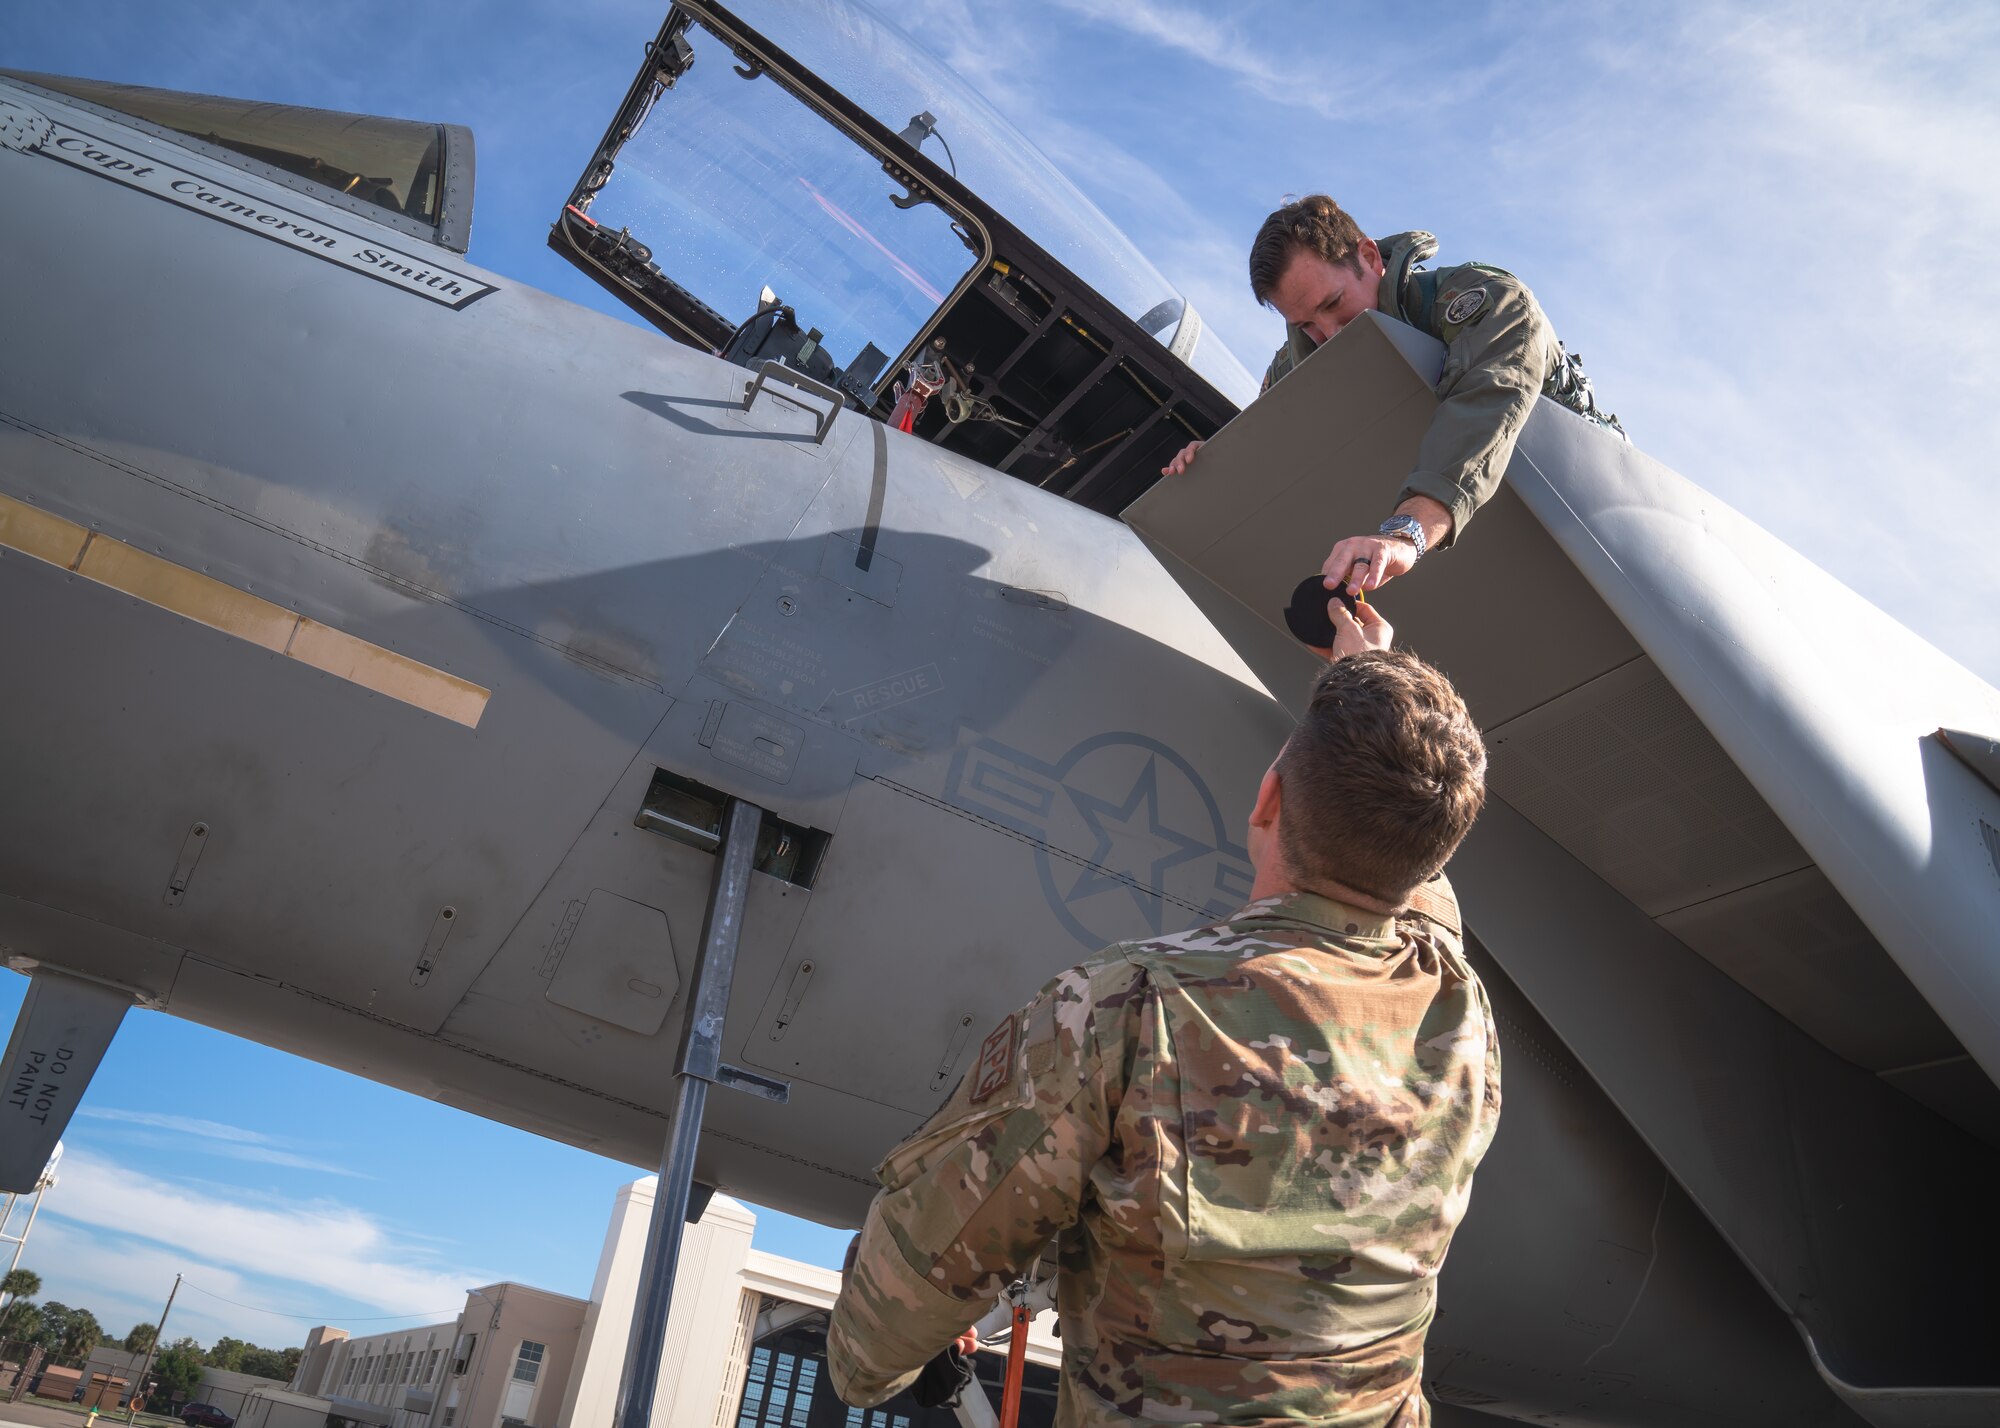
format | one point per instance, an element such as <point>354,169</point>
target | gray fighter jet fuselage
<point>386,638</point>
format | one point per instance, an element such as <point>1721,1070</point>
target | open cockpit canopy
<point>819,192</point>
<point>414,176</point>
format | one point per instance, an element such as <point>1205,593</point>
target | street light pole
<point>159,1330</point>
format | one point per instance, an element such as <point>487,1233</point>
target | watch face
<point>1405,526</point>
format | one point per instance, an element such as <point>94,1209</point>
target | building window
<point>528,1363</point>
<point>431,1368</point>
<point>779,1390</point>
<point>802,1394</point>
<point>348,1377</point>
<point>409,1363</point>
<point>449,1414</point>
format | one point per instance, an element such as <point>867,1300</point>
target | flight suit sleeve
<point>1496,358</point>
<point>968,1202</point>
<point>1294,350</point>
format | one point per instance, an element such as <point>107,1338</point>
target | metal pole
<point>6,1214</point>
<point>159,1330</point>
<point>1017,1368</point>
<point>21,1241</point>
<point>696,1065</point>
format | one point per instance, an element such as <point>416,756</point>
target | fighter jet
<point>557,718</point>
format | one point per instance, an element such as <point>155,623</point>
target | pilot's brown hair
<point>1382,778</point>
<point>1314,224</point>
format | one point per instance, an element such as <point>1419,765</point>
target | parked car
<point>206,1415</point>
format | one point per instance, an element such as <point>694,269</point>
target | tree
<point>20,1284</point>
<point>267,1363</point>
<point>177,1371</point>
<point>227,1353</point>
<point>79,1335</point>
<point>51,1319</point>
<point>142,1338</point>
<point>20,1320</point>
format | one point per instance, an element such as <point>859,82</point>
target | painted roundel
<point>1129,839</point>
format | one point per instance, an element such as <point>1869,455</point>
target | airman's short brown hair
<point>1382,778</point>
<point>1313,224</point>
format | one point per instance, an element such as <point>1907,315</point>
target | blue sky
<point>1769,230</point>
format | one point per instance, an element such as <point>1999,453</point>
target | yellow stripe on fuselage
<point>210,602</point>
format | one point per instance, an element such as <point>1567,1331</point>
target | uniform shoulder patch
<point>995,1070</point>
<point>1465,306</point>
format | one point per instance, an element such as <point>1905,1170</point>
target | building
<point>745,1347</point>
<point>109,1364</point>
<point>383,1380</point>
<point>229,1390</point>
<point>504,1360</point>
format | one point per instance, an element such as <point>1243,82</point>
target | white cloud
<point>1309,79</point>
<point>183,1125</point>
<point>314,1246</point>
<point>163,1131</point>
<point>125,1282</point>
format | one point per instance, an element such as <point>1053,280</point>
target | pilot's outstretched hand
<point>1365,629</point>
<point>1182,459</point>
<point>1368,562</point>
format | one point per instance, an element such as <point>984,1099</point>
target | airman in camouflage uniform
<point>1252,1142</point>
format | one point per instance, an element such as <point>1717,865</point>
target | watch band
<point>1407,528</point>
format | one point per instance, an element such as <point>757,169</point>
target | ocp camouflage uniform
<point>1500,353</point>
<point>1253,1140</point>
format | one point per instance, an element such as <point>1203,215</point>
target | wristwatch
<point>1407,528</point>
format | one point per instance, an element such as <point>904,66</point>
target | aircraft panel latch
<point>433,952</point>
<point>183,874</point>
<point>960,1034</point>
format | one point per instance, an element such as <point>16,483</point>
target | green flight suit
<point>1252,1142</point>
<point>1500,354</point>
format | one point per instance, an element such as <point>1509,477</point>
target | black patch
<point>1306,616</point>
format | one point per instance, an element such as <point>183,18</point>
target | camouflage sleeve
<point>971,1199</point>
<point>1496,359</point>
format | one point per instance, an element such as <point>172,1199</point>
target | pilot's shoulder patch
<point>1465,306</point>
<point>995,1069</point>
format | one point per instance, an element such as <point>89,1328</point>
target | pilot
<point>1252,1141</point>
<point>1312,263</point>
